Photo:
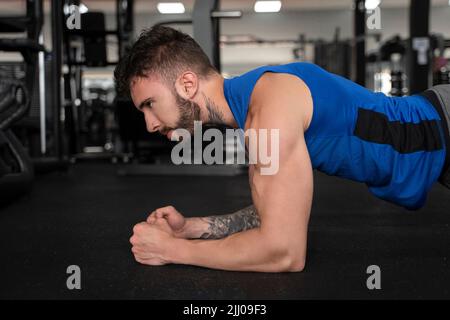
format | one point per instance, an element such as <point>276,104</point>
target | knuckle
<point>139,227</point>
<point>167,209</point>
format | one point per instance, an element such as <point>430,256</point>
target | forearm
<point>245,251</point>
<point>221,226</point>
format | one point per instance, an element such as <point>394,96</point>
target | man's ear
<point>187,85</point>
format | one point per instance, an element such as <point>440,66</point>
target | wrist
<point>193,228</point>
<point>177,251</point>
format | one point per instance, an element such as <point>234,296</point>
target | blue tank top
<point>395,145</point>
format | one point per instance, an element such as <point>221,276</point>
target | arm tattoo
<point>225,225</point>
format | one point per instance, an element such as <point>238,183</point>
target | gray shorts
<point>442,98</point>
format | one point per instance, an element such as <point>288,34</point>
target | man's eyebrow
<point>141,105</point>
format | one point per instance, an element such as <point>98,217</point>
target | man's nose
<point>151,121</point>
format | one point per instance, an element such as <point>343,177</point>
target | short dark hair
<point>162,51</point>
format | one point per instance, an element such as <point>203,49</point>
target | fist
<point>175,219</point>
<point>150,243</point>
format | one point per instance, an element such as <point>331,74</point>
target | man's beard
<point>189,112</point>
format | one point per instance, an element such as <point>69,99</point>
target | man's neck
<point>214,102</point>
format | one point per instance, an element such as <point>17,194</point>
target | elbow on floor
<point>291,263</point>
<point>295,265</point>
<point>286,256</point>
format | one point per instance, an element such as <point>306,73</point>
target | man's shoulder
<point>278,95</point>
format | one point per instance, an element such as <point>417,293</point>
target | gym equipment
<point>398,81</point>
<point>17,86</point>
<point>125,24</point>
<point>442,76</point>
<point>91,121</point>
<point>394,51</point>
<point>16,171</point>
<point>359,32</point>
<point>40,130</point>
<point>206,22</point>
<point>334,56</point>
<point>386,67</point>
<point>441,65</point>
<point>95,45</point>
<point>419,48</point>
<point>392,59</point>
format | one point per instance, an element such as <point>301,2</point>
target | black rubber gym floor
<point>85,218</point>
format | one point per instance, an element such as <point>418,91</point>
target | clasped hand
<point>153,240</point>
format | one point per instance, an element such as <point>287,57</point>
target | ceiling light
<point>70,9</point>
<point>372,4</point>
<point>170,7</point>
<point>267,6</point>
<point>83,8</point>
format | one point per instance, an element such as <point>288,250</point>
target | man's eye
<point>149,104</point>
